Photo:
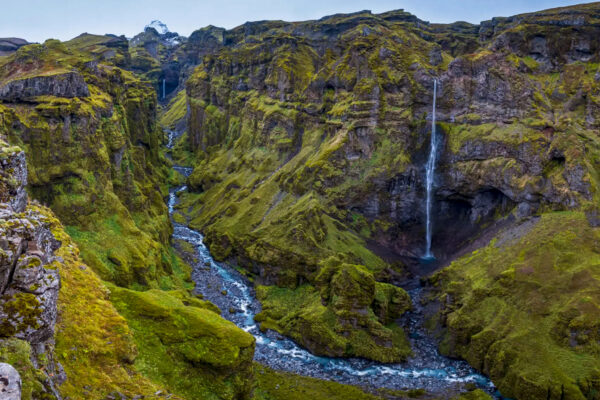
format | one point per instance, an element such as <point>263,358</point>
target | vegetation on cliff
<point>307,141</point>
<point>94,159</point>
<point>310,138</point>
<point>526,308</point>
<point>184,344</point>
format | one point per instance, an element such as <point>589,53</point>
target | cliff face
<point>89,129</point>
<point>61,337</point>
<point>310,141</point>
<point>29,283</point>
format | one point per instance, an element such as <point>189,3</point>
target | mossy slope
<point>526,309</point>
<point>95,160</point>
<point>310,139</point>
<point>186,345</point>
<point>112,340</point>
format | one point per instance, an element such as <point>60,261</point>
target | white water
<point>430,175</point>
<point>427,369</point>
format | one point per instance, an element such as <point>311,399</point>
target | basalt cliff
<point>309,142</point>
<point>305,145</point>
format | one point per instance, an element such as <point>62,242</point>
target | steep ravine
<point>234,295</point>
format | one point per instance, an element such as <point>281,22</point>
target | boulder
<point>10,383</point>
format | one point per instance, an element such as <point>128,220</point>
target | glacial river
<point>234,295</point>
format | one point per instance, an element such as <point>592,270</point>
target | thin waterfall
<point>430,168</point>
<point>164,87</point>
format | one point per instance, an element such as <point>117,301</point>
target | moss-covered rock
<point>186,346</point>
<point>524,309</point>
<point>348,315</point>
<point>17,353</point>
<point>272,385</point>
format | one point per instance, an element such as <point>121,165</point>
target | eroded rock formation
<point>69,84</point>
<point>29,278</point>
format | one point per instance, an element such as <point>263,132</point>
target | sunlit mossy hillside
<point>309,142</point>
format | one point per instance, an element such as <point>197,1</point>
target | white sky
<point>37,20</point>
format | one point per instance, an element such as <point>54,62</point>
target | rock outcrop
<point>29,280</point>
<point>69,85</point>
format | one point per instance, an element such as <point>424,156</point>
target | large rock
<point>28,306</point>
<point>29,279</point>
<point>13,178</point>
<point>68,84</point>
<point>10,383</point>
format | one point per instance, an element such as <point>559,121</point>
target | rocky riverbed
<point>234,295</point>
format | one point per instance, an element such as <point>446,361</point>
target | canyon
<point>364,206</point>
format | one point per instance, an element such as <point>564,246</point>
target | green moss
<point>93,342</point>
<point>475,395</point>
<point>525,311</point>
<point>186,346</point>
<point>168,340</point>
<point>326,320</point>
<point>514,134</point>
<point>175,111</point>
<point>18,354</point>
<point>22,312</point>
<point>272,385</point>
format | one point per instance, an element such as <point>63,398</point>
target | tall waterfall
<point>430,174</point>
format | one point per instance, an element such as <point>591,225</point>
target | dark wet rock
<point>593,217</point>
<point>10,383</point>
<point>435,56</point>
<point>69,84</point>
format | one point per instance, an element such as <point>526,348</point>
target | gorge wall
<point>309,141</point>
<point>97,164</point>
<point>75,326</point>
<point>120,319</point>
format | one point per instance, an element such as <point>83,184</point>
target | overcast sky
<point>37,20</point>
